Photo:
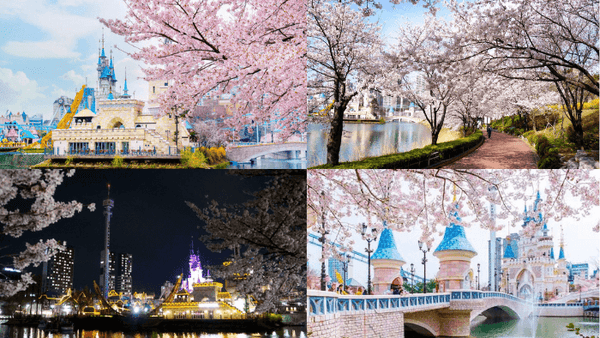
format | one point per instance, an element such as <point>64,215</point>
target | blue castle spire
<point>386,248</point>
<point>454,236</point>
<point>509,253</point>
<point>552,253</point>
<point>561,254</point>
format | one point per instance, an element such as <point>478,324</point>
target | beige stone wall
<point>361,324</point>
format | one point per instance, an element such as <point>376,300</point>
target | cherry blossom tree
<point>267,235</point>
<point>409,199</point>
<point>421,49</point>
<point>344,58</point>
<point>254,50</point>
<point>551,41</point>
<point>17,189</point>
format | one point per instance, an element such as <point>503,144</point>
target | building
<point>57,273</point>
<point>529,266</point>
<point>580,270</point>
<point>123,280</point>
<point>110,122</point>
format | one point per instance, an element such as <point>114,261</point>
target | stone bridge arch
<point>502,308</point>
<point>421,327</point>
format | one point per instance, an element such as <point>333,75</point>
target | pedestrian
<point>489,131</point>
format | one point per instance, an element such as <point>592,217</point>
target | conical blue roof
<point>561,254</point>
<point>454,236</point>
<point>552,253</point>
<point>110,96</point>
<point>103,55</point>
<point>509,253</point>
<point>386,248</point>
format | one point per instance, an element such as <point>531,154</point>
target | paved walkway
<point>502,151</point>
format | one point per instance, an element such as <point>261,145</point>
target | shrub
<point>69,160</point>
<point>193,159</point>
<point>222,165</point>
<point>549,158</point>
<point>117,162</point>
<point>591,104</point>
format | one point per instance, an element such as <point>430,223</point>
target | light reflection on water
<point>25,332</point>
<point>547,327</point>
<point>361,140</point>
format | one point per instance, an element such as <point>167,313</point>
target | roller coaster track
<point>64,123</point>
<point>169,298</point>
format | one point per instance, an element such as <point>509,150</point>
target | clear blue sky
<point>49,47</point>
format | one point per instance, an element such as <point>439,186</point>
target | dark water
<point>24,332</point>
<point>363,140</point>
<point>546,327</point>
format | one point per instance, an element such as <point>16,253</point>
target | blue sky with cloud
<point>49,47</point>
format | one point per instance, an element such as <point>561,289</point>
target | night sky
<point>150,220</point>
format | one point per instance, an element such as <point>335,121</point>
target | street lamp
<point>412,274</point>
<point>423,247</point>
<point>369,239</point>
<point>345,269</point>
<point>478,278</point>
<point>499,289</point>
<point>322,240</point>
<point>507,281</point>
<point>495,279</point>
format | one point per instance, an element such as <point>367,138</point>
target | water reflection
<point>363,140</point>
<point>25,332</point>
<point>547,327</point>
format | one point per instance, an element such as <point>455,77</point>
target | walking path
<point>502,151</point>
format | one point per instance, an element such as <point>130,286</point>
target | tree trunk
<point>334,141</point>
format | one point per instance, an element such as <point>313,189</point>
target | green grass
<point>416,158</point>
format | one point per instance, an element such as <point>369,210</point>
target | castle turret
<point>455,254</point>
<point>386,262</point>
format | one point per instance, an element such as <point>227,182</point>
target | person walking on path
<point>489,131</point>
<point>504,152</point>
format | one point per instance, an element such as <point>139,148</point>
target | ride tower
<point>105,266</point>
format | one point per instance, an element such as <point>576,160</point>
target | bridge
<point>439,314</point>
<point>576,296</point>
<point>404,119</point>
<point>245,152</point>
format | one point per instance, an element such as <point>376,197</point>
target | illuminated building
<point>57,274</point>
<point>200,297</point>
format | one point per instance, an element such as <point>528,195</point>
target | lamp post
<point>478,278</point>
<point>369,238</point>
<point>322,240</point>
<point>507,282</point>
<point>499,289</point>
<point>345,269</point>
<point>495,279</point>
<point>412,274</point>
<point>423,247</point>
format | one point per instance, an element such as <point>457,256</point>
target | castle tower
<point>455,254</point>
<point>105,280</point>
<point>387,263</point>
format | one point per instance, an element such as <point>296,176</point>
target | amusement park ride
<point>64,123</point>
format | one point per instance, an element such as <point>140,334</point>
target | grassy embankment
<point>551,142</point>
